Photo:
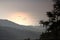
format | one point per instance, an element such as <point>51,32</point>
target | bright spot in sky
<point>21,18</point>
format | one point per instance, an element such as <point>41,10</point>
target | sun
<point>21,18</point>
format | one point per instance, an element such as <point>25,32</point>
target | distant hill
<point>12,31</point>
<point>7,23</point>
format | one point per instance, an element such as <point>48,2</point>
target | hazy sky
<point>25,12</point>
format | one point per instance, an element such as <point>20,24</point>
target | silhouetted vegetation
<point>53,24</point>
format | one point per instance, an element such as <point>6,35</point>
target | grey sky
<point>36,8</point>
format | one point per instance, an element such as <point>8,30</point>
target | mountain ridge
<point>8,31</point>
<point>8,23</point>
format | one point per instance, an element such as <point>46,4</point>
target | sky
<point>25,12</point>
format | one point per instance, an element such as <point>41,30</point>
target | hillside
<point>12,31</point>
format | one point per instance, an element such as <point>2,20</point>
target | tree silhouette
<point>53,32</point>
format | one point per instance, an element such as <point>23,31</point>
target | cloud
<point>36,8</point>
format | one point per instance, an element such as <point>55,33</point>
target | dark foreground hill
<point>15,32</point>
<point>7,33</point>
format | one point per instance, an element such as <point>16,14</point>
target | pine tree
<point>53,32</point>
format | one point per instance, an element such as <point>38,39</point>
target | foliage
<point>53,23</point>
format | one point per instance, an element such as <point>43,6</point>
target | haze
<point>25,12</point>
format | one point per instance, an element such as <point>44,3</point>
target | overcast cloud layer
<point>36,8</point>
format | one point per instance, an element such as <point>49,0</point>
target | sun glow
<point>21,18</point>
